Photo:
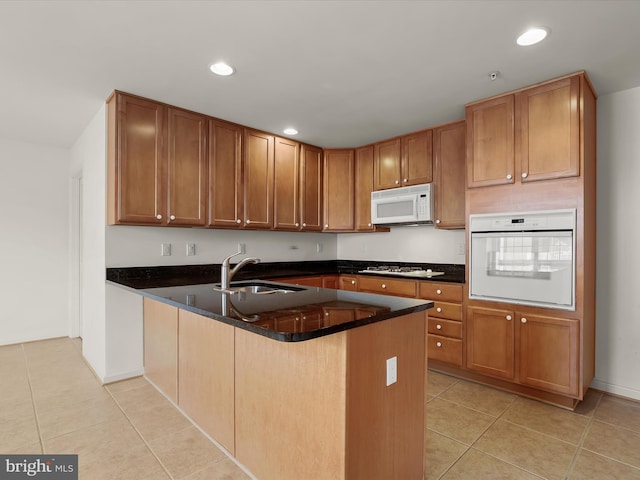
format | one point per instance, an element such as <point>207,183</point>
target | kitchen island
<point>299,384</point>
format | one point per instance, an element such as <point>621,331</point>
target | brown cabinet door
<point>339,186</point>
<point>364,187</point>
<point>258,179</point>
<point>187,168</point>
<point>417,158</point>
<point>160,327</point>
<point>311,188</point>
<point>444,349</point>
<point>490,341</point>
<point>549,353</point>
<point>286,193</point>
<point>490,142</point>
<point>387,171</point>
<point>138,162</point>
<point>330,281</point>
<point>225,175</point>
<point>550,130</point>
<point>449,177</point>
<point>348,282</point>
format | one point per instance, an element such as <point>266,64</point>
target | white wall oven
<point>524,258</point>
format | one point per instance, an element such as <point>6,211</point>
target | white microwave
<point>402,206</point>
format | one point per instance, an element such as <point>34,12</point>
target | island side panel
<point>206,373</point>
<point>385,424</point>
<point>290,407</point>
<point>161,346</point>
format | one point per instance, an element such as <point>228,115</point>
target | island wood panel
<point>206,373</point>
<point>385,424</point>
<point>290,406</point>
<point>161,346</point>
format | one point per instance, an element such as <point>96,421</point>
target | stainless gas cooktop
<point>401,271</point>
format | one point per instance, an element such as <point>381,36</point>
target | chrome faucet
<point>226,274</point>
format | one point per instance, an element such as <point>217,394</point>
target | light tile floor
<point>50,402</point>
<point>476,432</point>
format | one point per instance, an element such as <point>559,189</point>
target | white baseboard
<point>122,376</point>
<point>616,389</point>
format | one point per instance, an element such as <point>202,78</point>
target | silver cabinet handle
<point>438,344</point>
<point>248,222</point>
<point>524,174</point>
<point>397,182</point>
<point>353,282</point>
<point>159,217</point>
<point>523,320</point>
<point>508,317</point>
<point>368,224</point>
<point>384,286</point>
<point>439,292</point>
<point>405,180</point>
<point>304,224</point>
<point>297,224</point>
<point>172,217</point>
<point>439,327</point>
<point>437,221</point>
<point>326,225</point>
<point>509,177</point>
<point>238,221</point>
<point>438,309</point>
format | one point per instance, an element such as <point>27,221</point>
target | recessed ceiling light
<point>221,68</point>
<point>532,36</point>
<point>290,131</point>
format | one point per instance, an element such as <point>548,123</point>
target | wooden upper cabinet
<point>449,175</point>
<point>137,170</point>
<point>339,187</point>
<point>226,193</point>
<point>417,158</point>
<point>550,130</point>
<point>388,165</point>
<point>286,194</point>
<point>311,188</point>
<point>258,179</point>
<point>404,161</point>
<point>364,187</point>
<point>490,142</point>
<point>187,168</point>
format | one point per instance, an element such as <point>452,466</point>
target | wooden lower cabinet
<point>206,373</point>
<point>387,286</point>
<point>546,350</point>
<point>161,346</point>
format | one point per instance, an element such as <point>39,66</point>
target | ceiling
<point>344,73</point>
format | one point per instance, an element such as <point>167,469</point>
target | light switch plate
<point>166,249</point>
<point>392,370</point>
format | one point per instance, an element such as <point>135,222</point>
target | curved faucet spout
<point>226,273</point>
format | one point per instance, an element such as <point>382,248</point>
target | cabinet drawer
<point>446,292</point>
<point>445,328</point>
<point>387,286</point>
<point>443,349</point>
<point>452,311</point>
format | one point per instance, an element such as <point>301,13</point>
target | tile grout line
<point>33,400</point>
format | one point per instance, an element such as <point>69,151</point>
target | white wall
<point>424,244</point>
<point>89,160</point>
<point>618,244</point>
<point>33,242</point>
<point>141,246</point>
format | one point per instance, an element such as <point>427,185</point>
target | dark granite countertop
<point>149,277</point>
<point>303,314</point>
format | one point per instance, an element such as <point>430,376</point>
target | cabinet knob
<point>326,225</point>
<point>524,174</point>
<point>368,224</point>
<point>384,286</point>
<point>248,222</point>
<point>437,221</point>
<point>159,217</point>
<point>297,224</point>
<point>439,292</point>
<point>438,344</point>
<point>405,180</point>
<point>353,282</point>
<point>238,221</point>
<point>523,320</point>
<point>438,309</point>
<point>304,224</point>
<point>439,327</point>
<point>172,217</point>
<point>397,182</point>
<point>508,317</point>
<point>509,177</point>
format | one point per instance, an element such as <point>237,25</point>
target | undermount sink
<point>256,288</point>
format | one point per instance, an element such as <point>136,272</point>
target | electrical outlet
<point>318,247</point>
<point>191,249</point>
<point>166,249</point>
<point>392,370</point>
<point>242,248</point>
